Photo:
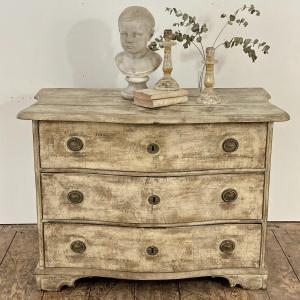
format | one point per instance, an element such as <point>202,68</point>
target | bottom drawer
<point>174,249</point>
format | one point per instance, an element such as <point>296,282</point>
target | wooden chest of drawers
<point>128,192</point>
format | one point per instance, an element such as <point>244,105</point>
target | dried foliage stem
<point>202,53</point>
<point>198,31</point>
<point>221,31</point>
<point>201,78</point>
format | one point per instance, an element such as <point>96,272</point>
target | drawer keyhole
<point>152,250</point>
<point>153,199</point>
<point>152,148</point>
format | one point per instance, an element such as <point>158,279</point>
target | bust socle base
<point>134,83</point>
<point>132,193</point>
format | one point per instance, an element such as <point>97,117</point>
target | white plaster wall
<point>72,43</point>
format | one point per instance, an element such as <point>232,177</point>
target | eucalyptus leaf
<point>199,39</point>
<point>196,30</point>
<point>247,42</point>
<point>261,44</point>
<point>195,27</point>
<point>232,18</point>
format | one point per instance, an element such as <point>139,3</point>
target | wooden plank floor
<point>19,252</point>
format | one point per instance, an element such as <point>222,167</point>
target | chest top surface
<point>107,105</point>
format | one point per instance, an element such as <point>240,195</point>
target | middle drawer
<point>153,200</point>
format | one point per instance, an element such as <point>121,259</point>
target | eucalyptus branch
<point>186,21</point>
<point>233,18</point>
<point>226,24</point>
<point>201,77</point>
<point>202,53</point>
<point>219,45</point>
<point>189,22</point>
<point>202,50</point>
<point>248,45</point>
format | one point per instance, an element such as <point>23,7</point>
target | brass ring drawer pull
<point>230,145</point>
<point>153,199</point>
<point>152,148</point>
<point>227,246</point>
<point>229,195</point>
<point>78,246</point>
<point>152,250</point>
<point>75,197</point>
<point>75,144</point>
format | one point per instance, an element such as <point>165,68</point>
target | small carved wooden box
<point>128,192</point>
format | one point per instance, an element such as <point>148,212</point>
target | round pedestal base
<point>134,83</point>
<point>209,97</point>
<point>167,83</point>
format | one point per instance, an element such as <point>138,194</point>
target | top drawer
<point>152,148</point>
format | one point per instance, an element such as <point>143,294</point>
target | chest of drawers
<point>128,192</point>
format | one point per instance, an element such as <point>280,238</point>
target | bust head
<point>137,61</point>
<point>136,26</point>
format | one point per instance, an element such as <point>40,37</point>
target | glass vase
<point>207,94</point>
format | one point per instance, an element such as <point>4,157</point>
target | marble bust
<point>137,61</point>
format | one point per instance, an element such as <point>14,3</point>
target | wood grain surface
<point>289,241</point>
<point>125,198</point>
<point>180,248</point>
<point>282,281</point>
<point>106,105</point>
<point>116,222</point>
<point>189,289</point>
<point>17,280</point>
<point>124,147</point>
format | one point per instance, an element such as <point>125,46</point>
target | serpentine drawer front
<point>134,199</point>
<point>152,148</point>
<point>151,194</point>
<point>176,249</point>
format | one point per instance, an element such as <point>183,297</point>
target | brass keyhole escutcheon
<point>227,246</point>
<point>75,197</point>
<point>230,145</point>
<point>78,246</point>
<point>152,148</point>
<point>152,250</point>
<point>153,199</point>
<point>75,144</point>
<point>229,195</point>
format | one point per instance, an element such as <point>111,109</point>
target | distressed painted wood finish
<point>128,153</point>
<point>106,105</point>
<point>257,278</point>
<point>71,96</point>
<point>16,281</point>
<point>124,147</point>
<point>39,206</point>
<point>266,191</point>
<point>125,199</point>
<point>180,249</point>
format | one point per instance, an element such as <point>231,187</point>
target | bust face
<point>134,37</point>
